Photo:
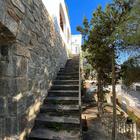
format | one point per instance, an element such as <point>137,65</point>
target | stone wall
<point>31,53</point>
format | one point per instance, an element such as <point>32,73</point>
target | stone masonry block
<point>11,24</point>
<point>2,106</point>
<point>23,122</point>
<point>20,65</point>
<point>11,126</point>
<point>5,86</point>
<point>2,10</point>
<point>10,86</point>
<point>18,4</point>
<point>2,127</point>
<point>30,100</point>
<point>16,105</point>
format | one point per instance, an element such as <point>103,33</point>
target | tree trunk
<point>114,96</point>
<point>99,93</point>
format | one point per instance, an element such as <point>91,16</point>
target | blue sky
<point>80,8</point>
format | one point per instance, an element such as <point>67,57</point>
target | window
<point>61,22</point>
<point>62,19</point>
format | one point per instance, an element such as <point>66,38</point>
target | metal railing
<point>125,130</point>
<point>80,103</point>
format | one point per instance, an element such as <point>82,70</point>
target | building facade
<point>59,14</point>
<point>76,42</point>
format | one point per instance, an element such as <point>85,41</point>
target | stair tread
<point>55,135</point>
<point>60,93</point>
<point>68,76</point>
<point>63,98</point>
<point>62,107</point>
<point>58,119</point>
<point>70,91</point>
<point>68,73</point>
<point>67,80</point>
<point>66,85</point>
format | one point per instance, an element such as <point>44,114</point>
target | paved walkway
<point>95,130</point>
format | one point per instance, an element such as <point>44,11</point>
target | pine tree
<point>101,41</point>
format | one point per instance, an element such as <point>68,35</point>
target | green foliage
<point>130,71</point>
<point>84,31</point>
<point>99,34</point>
<point>129,29</point>
<point>88,69</point>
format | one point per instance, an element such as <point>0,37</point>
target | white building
<point>59,14</point>
<point>76,42</point>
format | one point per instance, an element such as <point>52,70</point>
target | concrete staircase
<point>59,117</point>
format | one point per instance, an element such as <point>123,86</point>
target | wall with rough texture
<point>31,53</point>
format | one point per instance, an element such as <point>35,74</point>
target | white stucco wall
<point>53,7</point>
<point>76,42</point>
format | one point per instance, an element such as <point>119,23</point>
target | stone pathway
<point>95,130</point>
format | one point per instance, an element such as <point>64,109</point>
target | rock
<point>11,24</point>
<point>2,106</point>
<point>18,4</point>
<point>2,11</point>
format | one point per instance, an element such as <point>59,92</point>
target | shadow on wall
<point>29,61</point>
<point>7,39</point>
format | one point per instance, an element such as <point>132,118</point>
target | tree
<point>130,71</point>
<point>100,39</point>
<point>99,54</point>
<point>129,29</point>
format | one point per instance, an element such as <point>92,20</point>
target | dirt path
<point>95,131</point>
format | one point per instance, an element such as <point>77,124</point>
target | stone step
<point>65,87</point>
<point>66,82</point>
<point>47,134</point>
<point>61,100</point>
<point>66,93</point>
<point>72,62</point>
<point>59,116</point>
<point>69,70</point>
<point>57,122</point>
<point>72,65</point>
<point>57,126</point>
<point>66,113</point>
<point>67,78</point>
<point>60,109</point>
<point>46,118</point>
<point>68,74</point>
